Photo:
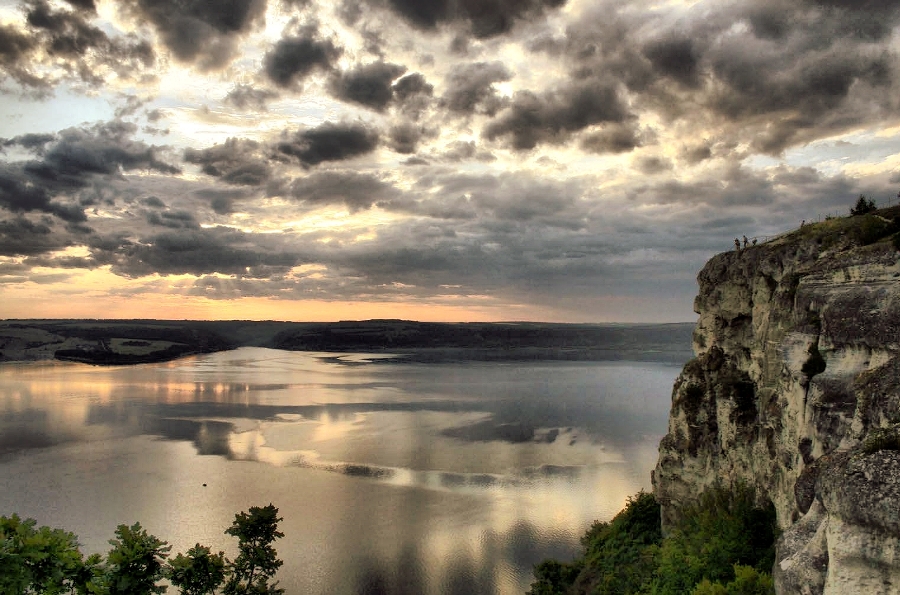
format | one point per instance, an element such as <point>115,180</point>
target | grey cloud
<point>22,237</point>
<point>57,45</point>
<point>18,194</point>
<point>369,85</point>
<point>236,161</point>
<point>470,88</point>
<point>413,94</point>
<point>153,202</point>
<point>31,141</point>
<point>294,58</point>
<point>411,85</point>
<point>248,97</point>
<point>675,57</point>
<point>103,149</point>
<point>483,19</point>
<point>84,5</point>
<point>202,32</point>
<point>70,161</point>
<point>221,200</point>
<point>329,142</point>
<point>173,219</point>
<point>192,251</point>
<point>404,137</point>
<point>354,190</point>
<point>612,138</point>
<point>553,116</point>
<point>652,164</point>
<point>796,72</point>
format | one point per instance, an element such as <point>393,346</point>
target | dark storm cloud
<point>675,57</point>
<point>329,142</point>
<point>153,202</point>
<point>22,237</point>
<point>553,116</point>
<point>15,54</point>
<point>470,88</point>
<point>613,138</point>
<point>192,251</point>
<point>652,165</point>
<point>201,32</point>
<point>32,142</point>
<point>354,190</point>
<point>62,44</point>
<point>236,161</point>
<point>773,73</point>
<point>411,85</point>
<point>103,149</point>
<point>248,97</point>
<point>173,219</point>
<point>84,5</point>
<point>369,85</point>
<point>294,58</point>
<point>404,137</point>
<point>70,161</point>
<point>483,18</point>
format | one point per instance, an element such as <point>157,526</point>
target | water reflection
<point>391,478</point>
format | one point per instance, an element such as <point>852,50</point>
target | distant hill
<point>122,342</point>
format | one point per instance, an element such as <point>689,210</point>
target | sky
<point>447,160</point>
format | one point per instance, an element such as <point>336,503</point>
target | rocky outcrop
<point>795,390</point>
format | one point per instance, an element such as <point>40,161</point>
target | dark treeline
<point>141,341</point>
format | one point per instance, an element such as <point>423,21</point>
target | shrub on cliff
<point>725,527</point>
<point>722,545</point>
<point>863,205</point>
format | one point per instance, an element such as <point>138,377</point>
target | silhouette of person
<point>746,242</point>
<point>737,244</point>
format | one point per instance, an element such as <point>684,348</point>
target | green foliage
<point>553,577</point>
<point>747,581</point>
<point>724,528</point>
<point>199,572</point>
<point>48,562</point>
<point>37,560</point>
<point>723,545</point>
<point>257,561</point>
<point>135,563</point>
<point>863,206</point>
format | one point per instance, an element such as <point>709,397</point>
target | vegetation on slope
<point>723,545</point>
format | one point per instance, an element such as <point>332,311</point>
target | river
<point>390,478</point>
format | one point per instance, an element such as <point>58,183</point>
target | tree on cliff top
<point>863,206</point>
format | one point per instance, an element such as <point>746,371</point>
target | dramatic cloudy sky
<point>565,160</point>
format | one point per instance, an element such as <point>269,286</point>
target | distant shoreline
<point>130,342</point>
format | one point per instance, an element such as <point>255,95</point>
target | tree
<point>135,563</point>
<point>198,573</point>
<point>37,560</point>
<point>863,205</point>
<point>257,561</point>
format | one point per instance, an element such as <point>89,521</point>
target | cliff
<point>795,391</point>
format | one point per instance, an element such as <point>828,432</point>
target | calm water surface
<point>391,478</point>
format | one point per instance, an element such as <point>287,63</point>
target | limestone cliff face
<point>795,389</point>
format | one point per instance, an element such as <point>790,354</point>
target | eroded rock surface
<point>795,390</point>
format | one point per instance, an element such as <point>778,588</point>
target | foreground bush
<point>41,560</point>
<point>723,545</point>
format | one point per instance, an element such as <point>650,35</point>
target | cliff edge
<point>795,390</point>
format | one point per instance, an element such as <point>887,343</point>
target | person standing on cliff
<point>746,242</point>
<point>737,244</point>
